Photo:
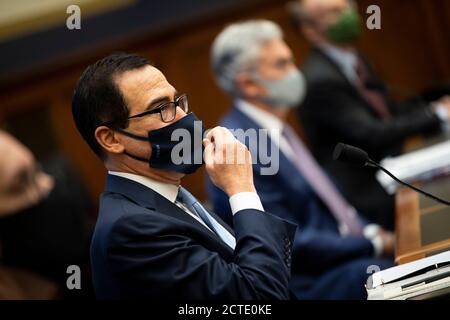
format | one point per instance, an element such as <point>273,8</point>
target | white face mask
<point>287,92</point>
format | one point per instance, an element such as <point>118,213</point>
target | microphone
<point>350,154</point>
<point>345,153</point>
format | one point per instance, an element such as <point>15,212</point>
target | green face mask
<point>347,29</point>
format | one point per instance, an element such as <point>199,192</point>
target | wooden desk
<point>422,225</point>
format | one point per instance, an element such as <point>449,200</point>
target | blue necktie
<point>187,199</point>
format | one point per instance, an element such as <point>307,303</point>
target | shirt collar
<point>168,191</point>
<point>263,118</point>
<point>346,60</point>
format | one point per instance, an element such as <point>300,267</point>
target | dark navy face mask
<point>176,147</point>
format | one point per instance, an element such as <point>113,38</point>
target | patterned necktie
<point>343,212</point>
<point>190,202</point>
<point>375,99</point>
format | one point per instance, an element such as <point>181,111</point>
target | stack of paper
<point>420,165</point>
<point>410,280</point>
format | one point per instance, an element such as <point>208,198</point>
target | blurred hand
<point>228,162</point>
<point>444,102</point>
<point>388,239</point>
<point>22,184</point>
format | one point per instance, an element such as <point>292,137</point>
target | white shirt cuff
<point>371,233</point>
<point>245,200</point>
<point>378,246</point>
<point>442,114</point>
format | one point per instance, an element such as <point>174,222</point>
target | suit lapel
<point>326,59</point>
<point>150,199</point>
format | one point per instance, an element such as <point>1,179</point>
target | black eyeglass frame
<point>159,109</point>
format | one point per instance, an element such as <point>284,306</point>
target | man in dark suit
<point>153,239</point>
<point>333,247</point>
<point>346,102</point>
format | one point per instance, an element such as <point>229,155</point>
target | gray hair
<point>236,49</point>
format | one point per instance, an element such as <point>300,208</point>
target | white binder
<point>410,280</point>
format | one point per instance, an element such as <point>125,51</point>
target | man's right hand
<point>228,162</point>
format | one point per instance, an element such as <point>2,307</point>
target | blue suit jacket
<point>144,246</point>
<point>318,245</point>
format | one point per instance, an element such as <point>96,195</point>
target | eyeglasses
<point>167,110</point>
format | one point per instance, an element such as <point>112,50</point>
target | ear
<point>248,86</point>
<point>109,140</point>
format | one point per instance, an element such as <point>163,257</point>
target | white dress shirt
<point>346,61</point>
<point>238,202</point>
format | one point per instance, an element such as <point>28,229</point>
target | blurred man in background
<point>43,224</point>
<point>346,102</point>
<point>333,246</point>
<point>22,185</point>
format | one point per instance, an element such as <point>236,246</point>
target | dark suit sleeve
<point>152,259</point>
<point>330,105</point>
<point>316,250</point>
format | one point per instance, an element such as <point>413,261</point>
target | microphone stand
<point>372,163</point>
